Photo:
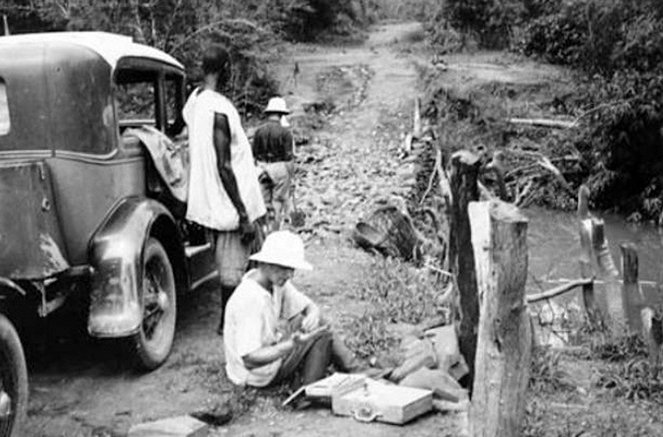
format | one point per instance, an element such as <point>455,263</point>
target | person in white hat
<point>273,331</point>
<point>273,149</point>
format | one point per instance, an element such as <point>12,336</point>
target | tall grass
<point>396,293</point>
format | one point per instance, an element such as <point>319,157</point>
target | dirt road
<point>80,388</point>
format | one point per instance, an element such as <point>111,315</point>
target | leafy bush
<point>399,9</point>
<point>490,22</point>
<point>617,45</point>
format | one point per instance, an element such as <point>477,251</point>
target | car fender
<point>116,250</point>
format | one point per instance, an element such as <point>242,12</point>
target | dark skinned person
<point>224,192</point>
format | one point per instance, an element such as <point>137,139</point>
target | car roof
<point>111,47</point>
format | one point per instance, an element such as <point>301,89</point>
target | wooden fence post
<point>464,189</point>
<point>631,292</point>
<point>502,365</point>
<point>594,311</point>
<point>642,317</point>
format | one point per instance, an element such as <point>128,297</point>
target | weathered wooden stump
<point>604,310</point>
<point>634,300</point>
<point>502,366</point>
<point>464,189</point>
<point>642,317</point>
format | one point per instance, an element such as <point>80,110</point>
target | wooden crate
<point>382,402</point>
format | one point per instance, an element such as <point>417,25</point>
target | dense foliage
<point>183,27</point>
<point>617,46</point>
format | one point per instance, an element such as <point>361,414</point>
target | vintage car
<point>93,191</point>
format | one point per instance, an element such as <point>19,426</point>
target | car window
<point>5,124</point>
<point>173,91</point>
<point>136,103</point>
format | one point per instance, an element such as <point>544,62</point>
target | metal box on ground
<point>382,402</point>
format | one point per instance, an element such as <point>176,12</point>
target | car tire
<point>13,379</point>
<point>151,345</point>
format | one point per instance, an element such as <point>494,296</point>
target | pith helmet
<point>283,248</point>
<point>277,105</point>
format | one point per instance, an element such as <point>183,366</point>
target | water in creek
<point>554,250</point>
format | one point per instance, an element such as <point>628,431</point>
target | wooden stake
<point>652,332</point>
<point>416,129</point>
<point>503,357</point>
<point>464,189</point>
<point>595,313</point>
<point>634,300</point>
<point>607,270</point>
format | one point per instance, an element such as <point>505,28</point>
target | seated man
<point>272,331</point>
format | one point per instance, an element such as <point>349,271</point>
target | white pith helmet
<point>283,248</point>
<point>277,105</point>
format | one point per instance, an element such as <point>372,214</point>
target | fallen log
<point>543,122</point>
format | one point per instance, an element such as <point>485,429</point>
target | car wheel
<point>152,343</point>
<point>13,381</point>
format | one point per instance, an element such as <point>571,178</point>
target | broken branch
<point>548,294</point>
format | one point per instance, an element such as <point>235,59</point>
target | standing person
<point>224,193</point>
<point>272,330</point>
<point>273,149</point>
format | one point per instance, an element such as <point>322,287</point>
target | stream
<point>554,250</point>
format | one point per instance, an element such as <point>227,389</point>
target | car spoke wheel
<point>152,343</point>
<point>13,381</point>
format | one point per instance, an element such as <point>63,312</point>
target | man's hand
<point>311,321</point>
<point>303,337</point>
<point>247,230</point>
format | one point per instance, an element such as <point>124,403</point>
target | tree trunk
<point>464,189</point>
<point>503,357</point>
